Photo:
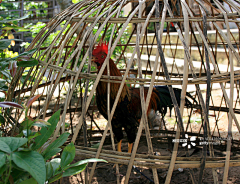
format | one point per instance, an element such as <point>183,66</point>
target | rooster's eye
<point>102,56</point>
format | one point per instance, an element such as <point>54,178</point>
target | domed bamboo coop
<point>192,45</point>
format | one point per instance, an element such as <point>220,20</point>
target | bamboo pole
<point>153,158</point>
<point>218,18</point>
<point>228,151</point>
<point>206,126</point>
<point>155,163</point>
<point>183,94</point>
<point>108,101</point>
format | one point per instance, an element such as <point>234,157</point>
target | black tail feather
<point>166,100</point>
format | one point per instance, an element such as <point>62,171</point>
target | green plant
<point>22,60</point>
<point>7,27</point>
<point>8,59</point>
<point>26,158</point>
<point>4,105</point>
<point>9,62</point>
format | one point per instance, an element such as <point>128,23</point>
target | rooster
<point>128,112</point>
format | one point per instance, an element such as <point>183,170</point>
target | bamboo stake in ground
<point>229,137</point>
<point>183,94</point>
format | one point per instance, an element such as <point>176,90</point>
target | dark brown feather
<point>128,111</point>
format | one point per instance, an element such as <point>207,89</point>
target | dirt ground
<point>106,174</point>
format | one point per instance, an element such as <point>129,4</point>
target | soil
<point>106,174</point>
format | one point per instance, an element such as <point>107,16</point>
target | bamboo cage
<point>189,44</point>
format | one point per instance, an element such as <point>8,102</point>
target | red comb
<point>101,48</point>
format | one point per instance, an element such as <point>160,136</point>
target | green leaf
<point>29,181</point>
<point>68,155</point>
<point>4,147</point>
<point>27,124</point>
<point>10,27</point>
<point>57,177</point>
<point>30,52</point>
<point>51,153</point>
<point>34,135</point>
<point>25,149</point>
<point>42,121</point>
<point>3,157</point>
<point>55,164</point>
<point>14,142</point>
<point>46,133</point>
<point>57,143</point>
<point>18,173</point>
<point>29,63</point>
<point>27,132</point>
<point>16,19</point>
<point>81,162</point>
<point>7,75</point>
<point>74,170</point>
<point>3,86</point>
<point>3,40</point>
<point>2,119</point>
<point>39,125</point>
<point>3,169</point>
<point>33,163</point>
<point>4,63</point>
<point>95,145</point>
<point>49,170</point>
<point>4,43</point>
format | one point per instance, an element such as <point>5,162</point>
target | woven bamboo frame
<point>71,50</point>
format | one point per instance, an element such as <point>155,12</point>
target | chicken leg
<point>119,144</point>
<point>130,145</point>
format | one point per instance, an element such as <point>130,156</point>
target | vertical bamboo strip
<point>177,136</point>
<point>185,69</point>
<point>143,104</point>
<point>206,126</point>
<point>183,94</point>
<point>108,98</point>
<point>229,137</point>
